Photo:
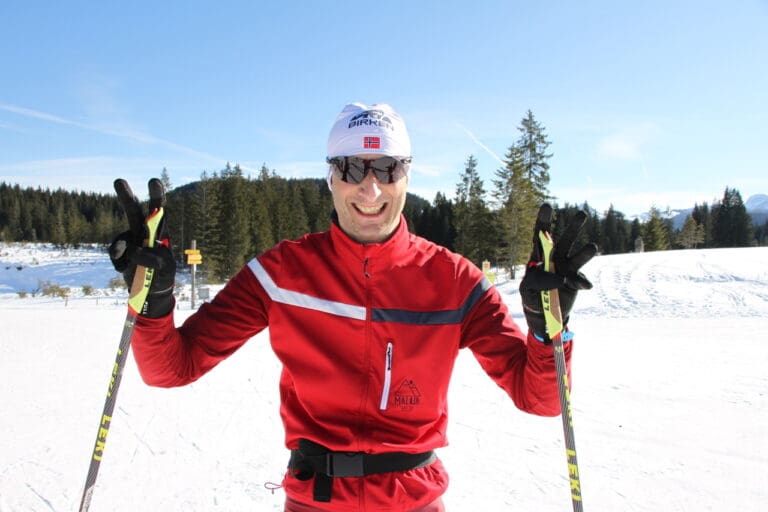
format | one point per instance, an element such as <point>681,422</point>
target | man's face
<point>369,211</point>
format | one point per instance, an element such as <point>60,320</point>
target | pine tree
<point>761,234</point>
<point>179,220</point>
<point>655,232</point>
<point>260,225</point>
<point>691,234</point>
<point>475,237</point>
<point>517,202</point>
<point>614,238</point>
<point>166,179</point>
<point>233,226</point>
<point>702,216</point>
<point>297,220</point>
<point>438,224</point>
<point>533,144</point>
<point>592,227</point>
<point>309,196</point>
<point>59,230</point>
<point>731,224</point>
<point>26,229</point>
<point>13,215</point>
<point>280,209</point>
<point>204,215</point>
<point>75,226</point>
<point>520,188</point>
<point>271,189</point>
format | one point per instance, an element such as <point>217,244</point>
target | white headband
<point>363,129</point>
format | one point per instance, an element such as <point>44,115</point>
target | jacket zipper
<point>387,377</point>
<point>365,418</point>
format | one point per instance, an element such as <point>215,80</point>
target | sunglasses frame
<point>349,167</point>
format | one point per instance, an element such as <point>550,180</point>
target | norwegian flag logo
<point>372,142</point>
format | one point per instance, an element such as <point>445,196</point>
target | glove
<point>566,278</point>
<point>151,291</point>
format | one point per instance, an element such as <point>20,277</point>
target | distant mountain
<point>677,216</point>
<point>757,207</point>
<point>757,203</point>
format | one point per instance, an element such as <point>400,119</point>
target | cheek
<point>401,193</point>
<point>340,194</point>
<point>338,202</point>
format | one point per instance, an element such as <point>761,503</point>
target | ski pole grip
<point>550,299</point>
<point>142,279</point>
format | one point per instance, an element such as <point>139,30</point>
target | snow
<point>670,400</point>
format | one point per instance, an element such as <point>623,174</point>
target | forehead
<point>368,156</point>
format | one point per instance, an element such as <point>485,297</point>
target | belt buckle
<point>344,464</point>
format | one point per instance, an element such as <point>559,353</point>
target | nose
<point>369,188</point>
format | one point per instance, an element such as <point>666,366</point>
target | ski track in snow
<point>666,285</point>
<point>670,400</point>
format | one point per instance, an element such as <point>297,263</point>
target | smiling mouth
<point>370,210</point>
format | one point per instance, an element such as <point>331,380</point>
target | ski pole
<point>554,322</point>
<point>142,281</point>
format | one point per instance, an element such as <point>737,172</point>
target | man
<point>367,320</point>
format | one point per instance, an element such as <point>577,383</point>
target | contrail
<point>479,143</point>
<point>122,133</point>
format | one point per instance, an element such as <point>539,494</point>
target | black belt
<point>312,459</point>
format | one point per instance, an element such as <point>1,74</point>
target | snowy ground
<point>670,400</point>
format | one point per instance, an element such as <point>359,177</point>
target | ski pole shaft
<point>554,322</point>
<point>142,281</point>
<point>109,406</point>
<point>567,417</point>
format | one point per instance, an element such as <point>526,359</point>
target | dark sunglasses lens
<point>351,172</point>
<point>354,169</point>
<point>387,169</point>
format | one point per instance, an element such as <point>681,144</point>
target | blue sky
<point>645,103</point>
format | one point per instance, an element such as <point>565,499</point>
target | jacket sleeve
<point>521,365</point>
<point>168,356</point>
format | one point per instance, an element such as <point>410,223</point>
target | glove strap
<point>142,280</point>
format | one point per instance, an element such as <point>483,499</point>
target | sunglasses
<point>353,169</point>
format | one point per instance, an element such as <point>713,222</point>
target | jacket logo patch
<point>407,396</point>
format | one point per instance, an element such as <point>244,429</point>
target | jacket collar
<point>386,254</point>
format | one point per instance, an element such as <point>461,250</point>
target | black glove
<point>566,278</point>
<point>133,248</point>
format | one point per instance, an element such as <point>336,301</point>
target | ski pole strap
<point>315,460</point>
<point>566,336</point>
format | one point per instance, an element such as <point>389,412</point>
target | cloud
<point>27,112</point>
<point>480,143</point>
<point>628,143</point>
<point>12,128</point>
<point>631,201</point>
<point>92,174</point>
<point>55,167</point>
<point>120,132</point>
<point>619,146</point>
<point>426,169</point>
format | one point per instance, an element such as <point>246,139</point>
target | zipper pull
<point>365,269</point>
<point>387,378</point>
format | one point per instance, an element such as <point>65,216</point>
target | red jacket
<point>367,335</point>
